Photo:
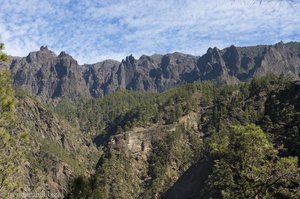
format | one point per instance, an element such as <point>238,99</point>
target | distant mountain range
<point>49,76</point>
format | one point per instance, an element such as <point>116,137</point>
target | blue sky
<point>94,30</point>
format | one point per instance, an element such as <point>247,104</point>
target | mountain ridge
<point>49,76</point>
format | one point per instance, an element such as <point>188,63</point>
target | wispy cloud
<point>93,30</point>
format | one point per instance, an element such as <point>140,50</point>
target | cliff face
<point>135,154</point>
<point>49,76</point>
<point>133,150</point>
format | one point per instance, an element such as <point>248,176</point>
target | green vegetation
<point>115,179</point>
<point>181,148</point>
<point>11,153</point>
<point>56,150</point>
<point>248,166</point>
<point>124,110</point>
<point>110,112</point>
<point>282,118</point>
<point>25,148</point>
<point>3,56</point>
<point>7,100</point>
<point>252,147</point>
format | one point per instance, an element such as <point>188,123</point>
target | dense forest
<point>249,133</point>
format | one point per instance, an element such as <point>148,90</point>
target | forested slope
<point>228,140</point>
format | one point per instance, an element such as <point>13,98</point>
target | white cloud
<point>93,30</point>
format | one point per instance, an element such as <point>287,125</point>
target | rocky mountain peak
<point>232,48</point>
<point>44,55</point>
<point>44,48</point>
<point>232,59</point>
<point>279,44</point>
<point>64,54</point>
<point>209,50</point>
<point>129,60</point>
<point>216,50</point>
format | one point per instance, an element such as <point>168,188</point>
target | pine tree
<point>248,166</point>
<point>10,154</point>
<point>3,56</point>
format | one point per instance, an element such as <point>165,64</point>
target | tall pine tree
<point>9,152</point>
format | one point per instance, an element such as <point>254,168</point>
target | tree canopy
<point>10,152</point>
<point>3,56</point>
<point>248,166</point>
